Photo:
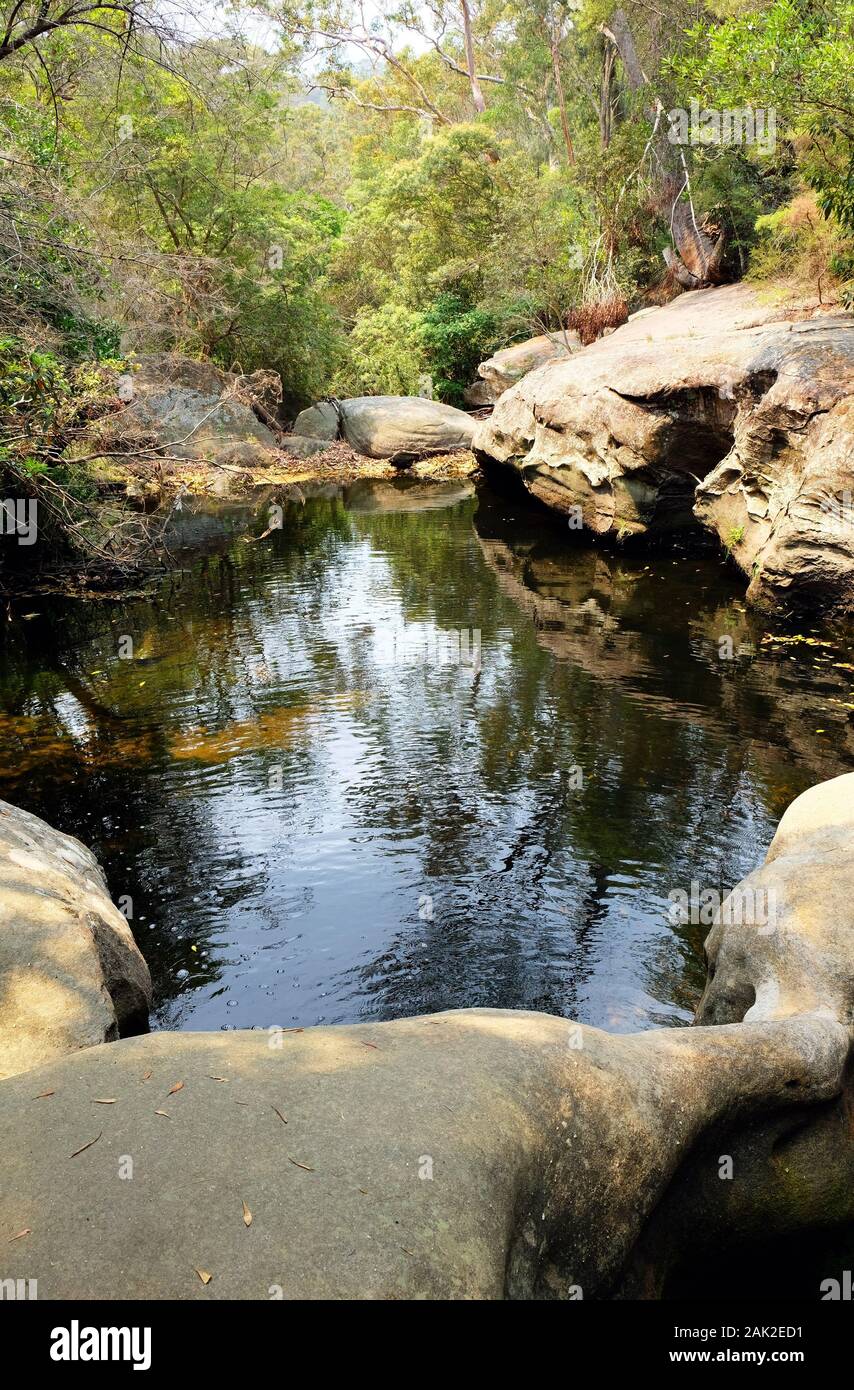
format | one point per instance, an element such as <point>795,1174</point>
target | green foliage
<point>386,353</point>
<point>456,338</point>
<point>796,58</point>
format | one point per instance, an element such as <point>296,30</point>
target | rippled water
<point>315,824</point>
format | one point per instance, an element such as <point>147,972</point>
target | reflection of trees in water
<point>604,662</point>
<point>680,775</point>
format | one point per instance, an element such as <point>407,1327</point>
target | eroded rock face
<point>721,408</point>
<point>472,1154</point>
<point>71,974</point>
<point>193,410</point>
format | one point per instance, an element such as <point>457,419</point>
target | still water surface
<point>317,826</point>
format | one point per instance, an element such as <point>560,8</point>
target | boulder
<point>303,445</point>
<point>479,395</point>
<point>505,368</point>
<point>403,428</point>
<point>319,421</point>
<point>71,974</point>
<point>721,408</point>
<point>194,411</point>
<point>472,1154</point>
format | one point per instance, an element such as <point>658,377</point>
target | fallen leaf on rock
<point>26,1232</point>
<point>179,1086</point>
<point>373,1045</point>
<point>164,1113</point>
<point>103,1102</point>
<point>300,1165</point>
<point>247,1215</point>
<point>203,1275</point>
<point>280,1115</point>
<point>218,1078</point>
<point>83,1147</point>
<point>42,1095</point>
<point>147,1076</point>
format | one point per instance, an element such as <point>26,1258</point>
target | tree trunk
<point>554,43</point>
<point>696,262</point>
<point>476,93</point>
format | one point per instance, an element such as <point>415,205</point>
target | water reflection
<point>312,831</point>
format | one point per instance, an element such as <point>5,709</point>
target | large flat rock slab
<point>479,1154</point>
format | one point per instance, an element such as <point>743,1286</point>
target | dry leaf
<point>147,1076</point>
<point>87,1146</point>
<point>203,1275</point>
<point>103,1102</point>
<point>247,1215</point>
<point>300,1165</point>
<point>280,1115</point>
<point>164,1113</point>
<point>179,1086</point>
<point>373,1045</point>
<point>42,1095</point>
<point>26,1232</point>
<point>218,1078</point>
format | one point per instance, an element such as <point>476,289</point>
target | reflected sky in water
<point>317,825</point>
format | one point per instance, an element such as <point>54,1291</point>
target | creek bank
<point>440,1156</point>
<point>721,409</point>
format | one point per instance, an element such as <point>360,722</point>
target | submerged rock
<point>720,408</point>
<point>473,1154</point>
<point>71,974</point>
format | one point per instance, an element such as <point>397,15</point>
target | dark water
<point>314,830</point>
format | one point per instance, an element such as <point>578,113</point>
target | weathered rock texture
<point>195,411</point>
<point>505,368</point>
<point>401,428</point>
<point>71,974</point>
<point>472,1154</point>
<point>720,408</point>
<point>318,422</point>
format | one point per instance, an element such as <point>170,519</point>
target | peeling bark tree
<point>696,260</point>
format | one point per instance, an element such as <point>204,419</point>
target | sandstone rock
<point>505,368</point>
<point>71,974</point>
<point>479,1154</point>
<point>721,408</point>
<point>194,409</point>
<point>790,946</point>
<point>303,445</point>
<point>319,421</point>
<point>403,428</point>
<point>480,394</point>
<point>472,1154</point>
